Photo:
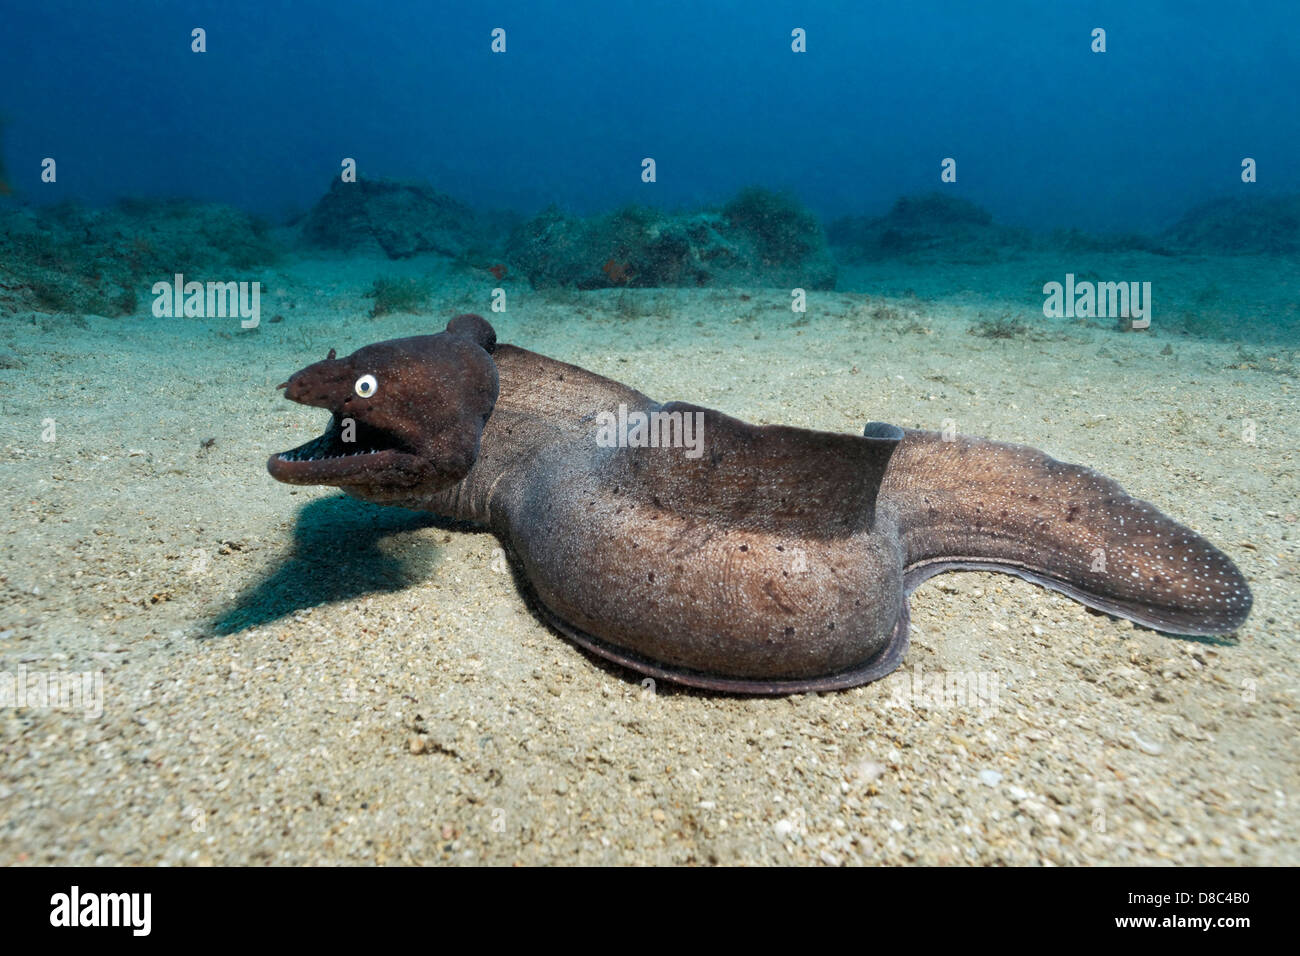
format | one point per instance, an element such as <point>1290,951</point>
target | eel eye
<point>366,386</point>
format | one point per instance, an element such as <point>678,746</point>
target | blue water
<point>1045,132</point>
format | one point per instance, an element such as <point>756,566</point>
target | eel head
<point>406,414</point>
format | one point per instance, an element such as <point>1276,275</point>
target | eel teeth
<point>305,456</point>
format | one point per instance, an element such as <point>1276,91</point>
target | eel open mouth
<point>330,459</point>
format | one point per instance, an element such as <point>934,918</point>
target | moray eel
<point>754,559</point>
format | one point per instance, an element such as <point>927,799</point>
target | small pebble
<point>1147,747</point>
<point>990,778</point>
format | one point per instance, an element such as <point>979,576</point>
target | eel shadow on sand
<point>343,549</point>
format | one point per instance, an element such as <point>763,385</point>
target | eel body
<point>691,546</point>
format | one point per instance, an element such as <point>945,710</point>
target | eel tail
<point>968,503</point>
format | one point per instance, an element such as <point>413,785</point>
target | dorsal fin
<point>772,478</point>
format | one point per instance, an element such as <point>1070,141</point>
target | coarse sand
<point>293,677</point>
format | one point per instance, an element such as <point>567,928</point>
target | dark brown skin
<point>777,561</point>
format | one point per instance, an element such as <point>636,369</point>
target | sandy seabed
<point>292,677</point>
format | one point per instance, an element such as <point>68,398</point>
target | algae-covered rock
<point>401,218</point>
<point>75,259</point>
<point>5,188</point>
<point>936,211</point>
<point>934,226</point>
<point>759,238</point>
<point>1245,225</point>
